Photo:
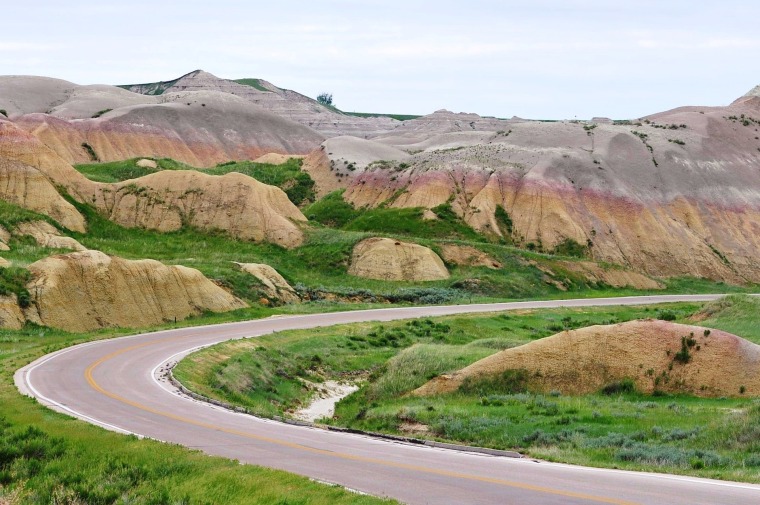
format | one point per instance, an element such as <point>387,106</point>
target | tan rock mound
<point>11,316</point>
<point>4,262</point>
<point>46,235</point>
<point>274,285</point>
<point>27,187</point>
<point>87,290</point>
<point>467,256</point>
<point>234,203</point>
<point>147,163</point>
<point>656,355</point>
<point>392,260</point>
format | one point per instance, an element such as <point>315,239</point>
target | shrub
<point>619,387</point>
<point>90,152</point>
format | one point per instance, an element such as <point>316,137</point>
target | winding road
<point>119,384</point>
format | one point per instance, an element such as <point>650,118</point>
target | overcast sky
<point>534,59</point>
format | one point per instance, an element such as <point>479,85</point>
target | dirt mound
<point>392,260</point>
<point>27,187</point>
<point>235,203</point>
<point>11,317</point>
<point>656,355</point>
<point>46,235</point>
<point>87,290</point>
<point>467,256</point>
<point>274,285</point>
<point>4,262</point>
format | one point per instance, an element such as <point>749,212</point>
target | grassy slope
<point>707,437</point>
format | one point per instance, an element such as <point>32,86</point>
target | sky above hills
<point>536,59</point>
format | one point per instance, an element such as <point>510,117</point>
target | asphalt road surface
<point>118,384</point>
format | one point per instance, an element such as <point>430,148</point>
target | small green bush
<point>619,387</point>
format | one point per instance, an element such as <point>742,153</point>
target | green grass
<point>398,117</point>
<point>717,437</point>
<point>254,83</point>
<point>332,210</point>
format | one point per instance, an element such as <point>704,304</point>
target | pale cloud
<point>544,58</point>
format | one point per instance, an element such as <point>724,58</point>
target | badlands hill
<point>676,193</point>
<point>672,194</point>
<point>282,102</point>
<point>655,355</point>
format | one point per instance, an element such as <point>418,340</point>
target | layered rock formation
<point>235,203</point>
<point>274,285</point>
<point>111,291</point>
<point>164,201</point>
<point>675,194</point>
<point>200,129</point>
<point>392,260</point>
<point>28,187</point>
<point>656,355</point>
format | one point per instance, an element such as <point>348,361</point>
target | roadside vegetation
<point>616,427</point>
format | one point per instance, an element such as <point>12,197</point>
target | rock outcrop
<point>11,317</point>
<point>46,235</point>
<point>234,203</point>
<point>392,260</point>
<point>467,256</point>
<point>28,187</point>
<point>87,290</point>
<point>4,262</point>
<point>274,285</point>
<point>655,355</point>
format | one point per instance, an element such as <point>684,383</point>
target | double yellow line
<point>350,457</point>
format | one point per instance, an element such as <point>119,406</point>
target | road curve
<point>116,384</point>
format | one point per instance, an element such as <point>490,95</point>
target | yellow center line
<point>351,457</point>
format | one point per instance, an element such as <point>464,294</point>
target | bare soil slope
<point>656,355</point>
